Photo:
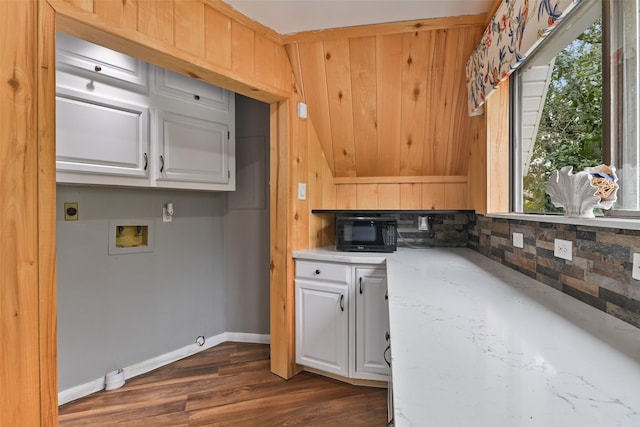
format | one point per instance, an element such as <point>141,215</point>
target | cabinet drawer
<point>327,271</point>
<point>91,60</point>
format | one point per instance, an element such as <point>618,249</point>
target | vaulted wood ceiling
<point>390,104</point>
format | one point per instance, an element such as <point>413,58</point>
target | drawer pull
<point>97,68</point>
<point>317,272</point>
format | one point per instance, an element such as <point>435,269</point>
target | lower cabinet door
<point>322,323</point>
<point>372,320</point>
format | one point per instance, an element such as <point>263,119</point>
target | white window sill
<point>608,222</point>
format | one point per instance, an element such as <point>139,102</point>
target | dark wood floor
<point>229,385</point>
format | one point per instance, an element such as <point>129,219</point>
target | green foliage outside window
<point>570,130</point>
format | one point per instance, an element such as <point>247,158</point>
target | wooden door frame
<point>281,311</point>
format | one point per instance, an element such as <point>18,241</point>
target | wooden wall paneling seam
<point>156,19</point>
<point>346,196</point>
<point>385,29</point>
<point>217,43</point>
<point>314,187</point>
<point>411,196</point>
<point>362,56</point>
<point>189,26</point>
<point>455,156</point>
<point>242,49</point>
<point>367,196</point>
<point>258,28</point>
<point>80,23</point>
<point>439,104</point>
<point>119,13</point>
<point>337,66</point>
<point>21,378</point>
<point>388,196</point>
<point>316,96</point>
<point>414,102</point>
<point>47,303</point>
<point>433,196</point>
<point>389,102</point>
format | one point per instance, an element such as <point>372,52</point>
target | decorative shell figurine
<point>580,193</point>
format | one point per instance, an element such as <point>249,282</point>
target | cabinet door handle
<point>360,280</point>
<point>97,68</point>
<point>146,161</point>
<point>386,295</point>
<point>341,302</point>
<point>161,163</point>
<point>387,336</point>
<point>317,272</point>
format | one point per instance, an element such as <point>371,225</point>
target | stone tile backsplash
<point>599,274</point>
<point>451,230</point>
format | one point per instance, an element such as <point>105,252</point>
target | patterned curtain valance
<point>514,32</point>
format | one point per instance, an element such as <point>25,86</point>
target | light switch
<point>302,191</point>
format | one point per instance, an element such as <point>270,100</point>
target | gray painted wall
<point>208,273</point>
<point>246,231</point>
<point>117,310</point>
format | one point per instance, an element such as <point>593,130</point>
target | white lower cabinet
<point>342,319</point>
<point>322,324</point>
<point>372,320</point>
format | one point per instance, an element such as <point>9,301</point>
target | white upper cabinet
<point>191,149</point>
<point>112,128</point>
<point>182,87</point>
<point>100,136</point>
<point>79,56</point>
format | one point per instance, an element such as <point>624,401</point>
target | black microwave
<point>366,233</point>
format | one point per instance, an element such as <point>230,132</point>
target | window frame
<point>516,199</point>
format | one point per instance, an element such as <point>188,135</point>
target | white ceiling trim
<point>293,16</point>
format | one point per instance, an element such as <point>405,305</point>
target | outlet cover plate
<point>635,273</point>
<point>71,211</point>
<point>518,240</point>
<point>563,249</point>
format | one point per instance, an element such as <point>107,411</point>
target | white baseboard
<point>145,366</point>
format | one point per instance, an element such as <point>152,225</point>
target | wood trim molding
<point>492,10</point>
<point>46,187</point>
<point>401,180</point>
<point>389,28</point>
<point>83,24</point>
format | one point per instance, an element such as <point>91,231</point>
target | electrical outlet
<point>635,273</point>
<point>71,211</point>
<point>563,249</point>
<point>518,240</point>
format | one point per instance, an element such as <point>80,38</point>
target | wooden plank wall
<point>392,104</point>
<point>206,39</point>
<point>28,388</point>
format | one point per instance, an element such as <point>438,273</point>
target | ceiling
<point>293,16</point>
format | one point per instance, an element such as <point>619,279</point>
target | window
<point>574,102</point>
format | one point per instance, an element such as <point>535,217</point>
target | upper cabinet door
<point>192,149</point>
<point>100,136</point>
<point>189,89</point>
<point>79,56</point>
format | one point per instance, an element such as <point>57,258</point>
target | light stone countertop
<point>475,343</point>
